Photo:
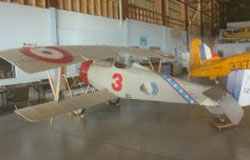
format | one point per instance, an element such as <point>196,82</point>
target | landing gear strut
<point>80,113</point>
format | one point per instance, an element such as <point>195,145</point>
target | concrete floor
<point>136,130</point>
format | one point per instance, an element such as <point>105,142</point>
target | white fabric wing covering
<point>51,109</point>
<point>36,59</point>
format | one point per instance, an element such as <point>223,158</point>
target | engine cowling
<point>83,72</point>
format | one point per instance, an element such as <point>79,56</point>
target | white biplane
<point>102,68</point>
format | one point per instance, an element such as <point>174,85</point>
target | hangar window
<point>7,70</point>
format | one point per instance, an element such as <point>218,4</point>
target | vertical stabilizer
<point>199,52</point>
<point>195,57</point>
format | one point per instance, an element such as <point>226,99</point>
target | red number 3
<point>117,86</point>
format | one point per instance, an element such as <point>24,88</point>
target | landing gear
<point>80,113</point>
<point>115,102</point>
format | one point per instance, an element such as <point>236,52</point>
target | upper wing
<point>37,59</point>
<point>51,109</point>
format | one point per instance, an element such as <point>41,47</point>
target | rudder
<point>195,56</point>
<point>199,52</point>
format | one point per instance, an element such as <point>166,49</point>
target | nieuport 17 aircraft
<point>103,69</point>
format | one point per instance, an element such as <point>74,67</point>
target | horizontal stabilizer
<point>216,92</point>
<point>51,109</point>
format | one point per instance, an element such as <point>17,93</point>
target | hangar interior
<point>130,128</point>
<point>150,24</point>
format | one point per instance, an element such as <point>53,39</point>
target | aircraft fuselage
<point>221,67</point>
<point>133,82</point>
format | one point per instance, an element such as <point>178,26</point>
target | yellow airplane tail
<point>200,52</point>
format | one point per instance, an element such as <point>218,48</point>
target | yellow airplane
<point>206,63</point>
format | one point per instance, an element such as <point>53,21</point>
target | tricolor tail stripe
<point>205,52</point>
<point>181,91</point>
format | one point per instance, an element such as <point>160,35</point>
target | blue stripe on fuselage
<point>186,96</point>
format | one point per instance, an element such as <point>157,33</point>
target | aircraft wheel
<point>80,113</point>
<point>115,102</point>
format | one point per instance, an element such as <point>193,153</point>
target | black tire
<point>115,101</point>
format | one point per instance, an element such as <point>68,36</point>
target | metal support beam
<point>186,22</point>
<point>201,20</point>
<point>223,16</point>
<point>50,3</point>
<point>124,9</point>
<point>120,12</point>
<point>163,12</point>
<point>212,17</point>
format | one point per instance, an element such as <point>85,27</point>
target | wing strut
<point>160,66</point>
<point>60,84</point>
<point>59,87</point>
<point>51,83</point>
<point>151,65</point>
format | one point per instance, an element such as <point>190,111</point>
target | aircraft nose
<point>83,73</point>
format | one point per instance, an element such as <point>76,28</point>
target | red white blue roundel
<point>48,54</point>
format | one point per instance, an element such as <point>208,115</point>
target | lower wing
<point>51,109</point>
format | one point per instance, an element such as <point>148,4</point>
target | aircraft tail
<point>200,52</point>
